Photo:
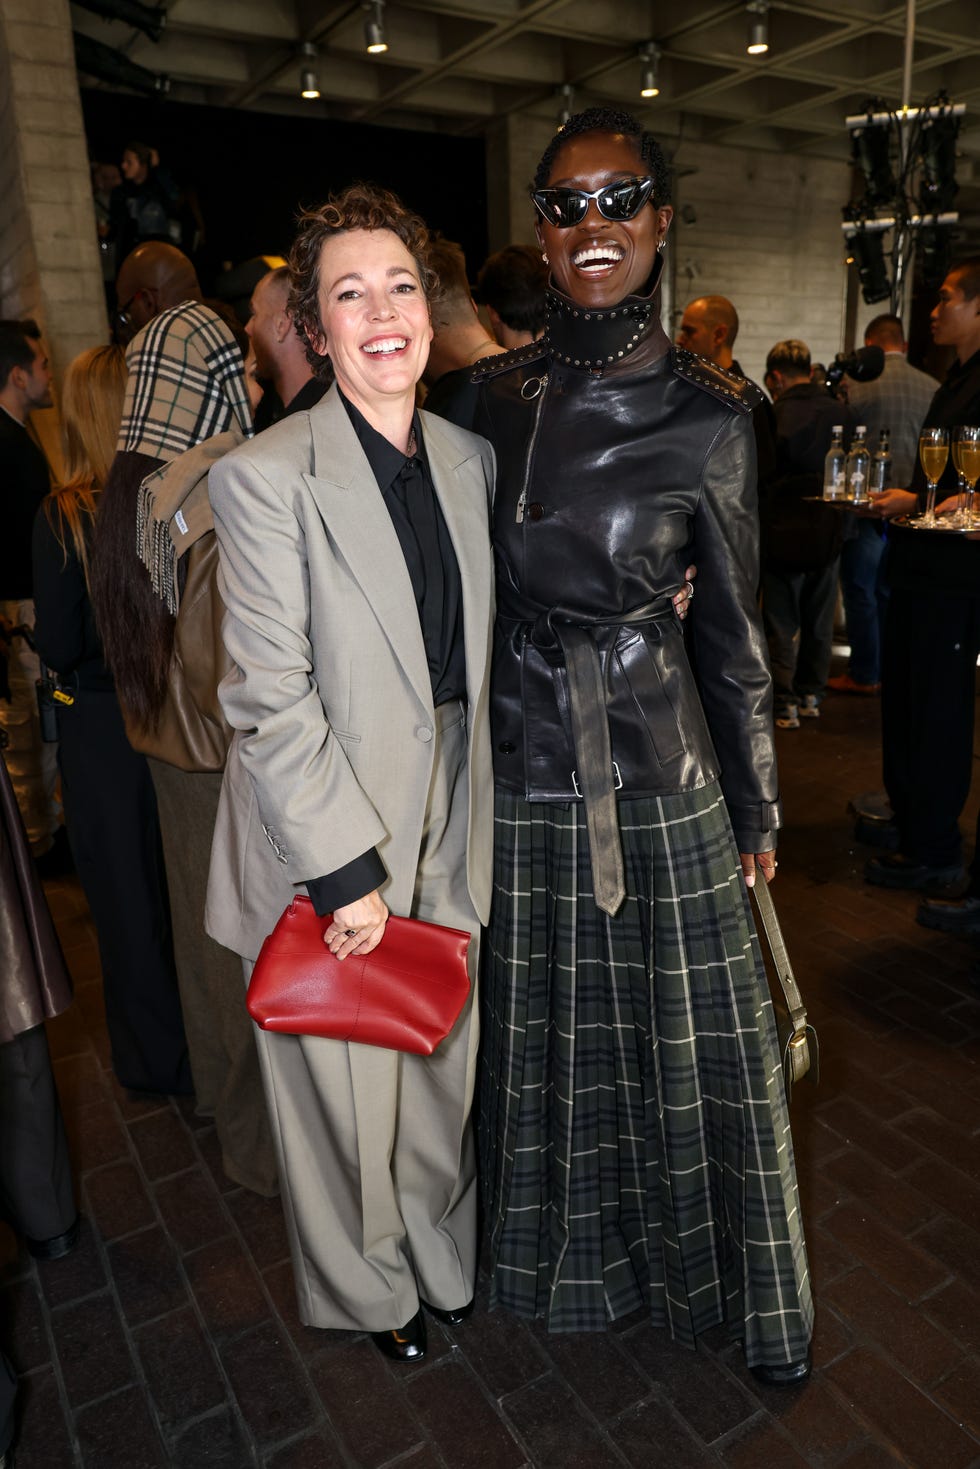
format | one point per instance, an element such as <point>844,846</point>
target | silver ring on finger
<point>690,589</point>
<point>352,932</point>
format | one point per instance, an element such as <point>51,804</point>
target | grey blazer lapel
<point>458,476</point>
<point>347,497</point>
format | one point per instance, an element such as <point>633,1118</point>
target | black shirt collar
<point>961,369</point>
<point>308,396</point>
<point>803,390</point>
<point>386,460</point>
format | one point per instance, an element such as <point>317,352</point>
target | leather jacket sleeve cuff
<point>755,827</point>
<point>352,881</point>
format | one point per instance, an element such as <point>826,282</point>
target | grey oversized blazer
<point>330,698</point>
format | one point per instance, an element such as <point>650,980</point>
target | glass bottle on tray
<point>858,467</point>
<point>835,466</point>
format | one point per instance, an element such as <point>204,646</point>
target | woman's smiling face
<point>601,261</point>
<point>374,316</point>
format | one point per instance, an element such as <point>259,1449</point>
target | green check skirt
<point>635,1140</point>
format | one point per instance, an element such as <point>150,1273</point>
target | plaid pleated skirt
<point>634,1133</point>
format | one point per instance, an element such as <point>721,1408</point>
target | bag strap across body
<point>801,1050</point>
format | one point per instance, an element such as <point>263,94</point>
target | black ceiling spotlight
<point>871,152</point>
<point>937,150</point>
<point>98,60</point>
<point>866,249</point>
<point>375,40</point>
<point>758,41</point>
<point>309,81</point>
<point>650,55</point>
<point>150,19</point>
<point>934,253</point>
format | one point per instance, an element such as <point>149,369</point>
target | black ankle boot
<point>404,1344</point>
<point>786,1374</point>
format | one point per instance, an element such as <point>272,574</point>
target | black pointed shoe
<point>454,1317</point>
<point>405,1344</point>
<point>895,870</point>
<point>787,1374</point>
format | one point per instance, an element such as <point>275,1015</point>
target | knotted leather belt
<point>594,771</point>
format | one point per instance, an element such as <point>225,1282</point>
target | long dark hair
<point>136,629</point>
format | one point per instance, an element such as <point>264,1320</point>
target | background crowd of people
<point>224,737</point>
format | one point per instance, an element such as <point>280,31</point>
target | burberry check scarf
<point>186,383</point>
<point>173,512</point>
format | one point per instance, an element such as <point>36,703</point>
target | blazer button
<point>507,747</point>
<point>424,733</point>
<point>535,511</point>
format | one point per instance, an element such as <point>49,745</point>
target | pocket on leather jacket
<point>662,688</point>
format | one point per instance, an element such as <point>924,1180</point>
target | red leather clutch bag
<point>405,995</point>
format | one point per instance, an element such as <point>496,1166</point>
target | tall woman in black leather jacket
<point>635,1136</point>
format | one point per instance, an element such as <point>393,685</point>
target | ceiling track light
<point>566,93</point>
<point>309,82</point>
<point>650,55</point>
<point>758,42</point>
<point>375,40</point>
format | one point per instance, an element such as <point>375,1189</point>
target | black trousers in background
<point>8,1394</point>
<point>114,830</point>
<point>35,1174</point>
<point>798,614</point>
<point>928,698</point>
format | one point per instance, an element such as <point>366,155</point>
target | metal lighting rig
<point>908,162</point>
<point>908,159</point>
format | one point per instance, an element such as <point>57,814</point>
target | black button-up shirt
<point>409,495</point>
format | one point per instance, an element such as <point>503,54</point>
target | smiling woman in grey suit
<point>356,571</point>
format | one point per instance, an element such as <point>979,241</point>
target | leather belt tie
<point>590,735</point>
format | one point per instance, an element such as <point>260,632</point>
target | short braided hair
<point>610,120</point>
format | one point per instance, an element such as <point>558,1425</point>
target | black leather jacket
<point>609,483</point>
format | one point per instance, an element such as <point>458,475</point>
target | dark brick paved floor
<point>170,1337</point>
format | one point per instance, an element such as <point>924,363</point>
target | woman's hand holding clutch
<point>358,927</point>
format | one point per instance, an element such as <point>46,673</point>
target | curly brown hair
<point>359,207</point>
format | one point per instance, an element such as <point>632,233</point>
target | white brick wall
<point>767,235</point>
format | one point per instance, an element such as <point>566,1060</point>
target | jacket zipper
<point>529,458</point>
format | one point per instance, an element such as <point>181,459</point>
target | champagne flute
<point>958,518</point>
<point>968,444</point>
<point>933,454</point>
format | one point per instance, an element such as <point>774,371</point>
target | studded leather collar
<point>595,340</point>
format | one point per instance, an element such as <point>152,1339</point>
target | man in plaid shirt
<point>898,401</point>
